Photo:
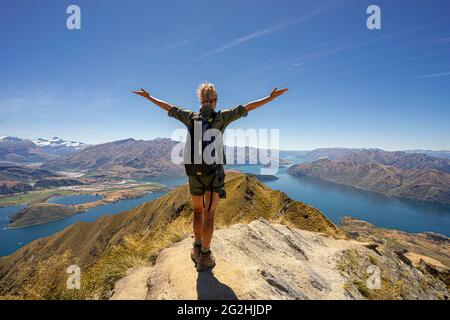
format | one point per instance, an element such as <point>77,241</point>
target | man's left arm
<point>259,103</point>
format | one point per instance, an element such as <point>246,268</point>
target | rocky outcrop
<point>427,251</point>
<point>260,260</point>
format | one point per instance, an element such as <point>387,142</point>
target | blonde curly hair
<point>207,93</point>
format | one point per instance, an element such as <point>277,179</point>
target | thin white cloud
<point>293,61</point>
<point>189,39</point>
<point>442,40</point>
<point>175,45</point>
<point>257,34</point>
<point>331,49</point>
<point>435,75</point>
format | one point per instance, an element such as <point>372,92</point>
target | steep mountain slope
<point>398,174</point>
<point>410,159</point>
<point>58,146</point>
<point>271,261</point>
<point>92,244</point>
<point>18,150</point>
<point>398,159</point>
<point>125,158</point>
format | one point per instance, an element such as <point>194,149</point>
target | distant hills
<point>329,153</point>
<point>16,178</point>
<point>125,158</point>
<point>433,153</point>
<point>10,172</point>
<point>334,153</point>
<point>410,172</point>
<point>16,150</point>
<point>399,174</point>
<point>10,187</point>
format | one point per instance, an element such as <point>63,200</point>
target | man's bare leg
<point>206,259</point>
<point>208,219</point>
<point>197,203</point>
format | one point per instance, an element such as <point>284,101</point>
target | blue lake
<point>74,200</point>
<point>12,239</point>
<point>169,181</point>
<point>336,201</point>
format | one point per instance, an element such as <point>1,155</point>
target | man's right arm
<point>160,103</point>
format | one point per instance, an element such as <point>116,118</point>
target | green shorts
<point>198,185</point>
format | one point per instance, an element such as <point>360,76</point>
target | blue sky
<point>349,86</point>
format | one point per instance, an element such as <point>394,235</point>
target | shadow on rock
<point>209,288</point>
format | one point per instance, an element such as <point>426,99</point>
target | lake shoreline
<point>107,198</point>
<point>388,196</point>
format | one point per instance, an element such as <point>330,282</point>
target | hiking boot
<point>205,261</point>
<point>195,253</point>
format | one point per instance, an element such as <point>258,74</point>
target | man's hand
<point>278,92</point>
<point>142,93</point>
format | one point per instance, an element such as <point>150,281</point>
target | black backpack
<point>200,168</point>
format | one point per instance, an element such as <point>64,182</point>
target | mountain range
<point>127,158</point>
<point>17,150</point>
<point>433,153</point>
<point>399,174</point>
<point>408,175</point>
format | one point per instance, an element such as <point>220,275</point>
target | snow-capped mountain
<point>10,139</point>
<point>59,146</point>
<point>16,150</point>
